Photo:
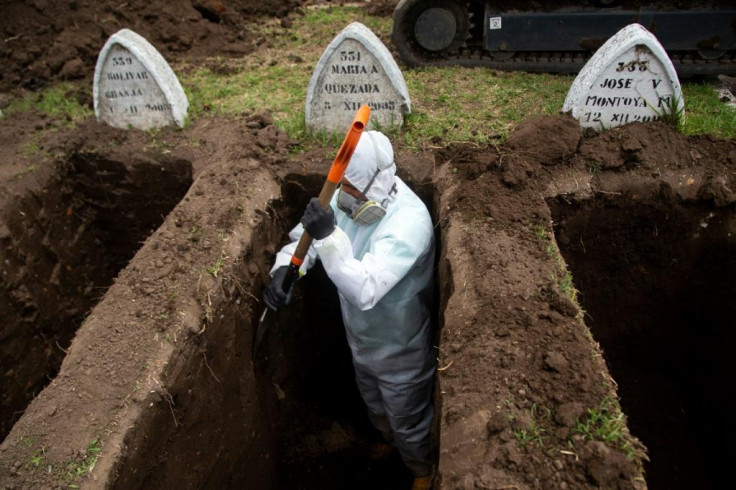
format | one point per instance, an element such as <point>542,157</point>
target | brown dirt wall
<point>104,376</point>
<point>656,280</point>
<point>159,378</point>
<point>61,247</point>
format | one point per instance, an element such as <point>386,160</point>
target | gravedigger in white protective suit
<point>377,247</point>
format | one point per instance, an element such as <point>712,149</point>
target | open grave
<point>159,388</point>
<point>656,282</point>
<point>62,246</point>
<point>309,426</point>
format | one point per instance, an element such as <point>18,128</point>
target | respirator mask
<point>365,211</point>
<point>362,211</point>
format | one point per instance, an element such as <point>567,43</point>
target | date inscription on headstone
<point>135,87</point>
<point>356,69</point>
<point>629,79</point>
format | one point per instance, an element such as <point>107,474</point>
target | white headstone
<point>356,69</point>
<point>630,78</point>
<point>135,87</point>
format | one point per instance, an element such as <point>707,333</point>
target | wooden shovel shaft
<point>337,170</point>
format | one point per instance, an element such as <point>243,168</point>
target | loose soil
<point>156,384</point>
<point>160,380</point>
<point>49,40</point>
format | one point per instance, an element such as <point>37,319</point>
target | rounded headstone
<point>355,69</point>
<point>629,79</point>
<point>134,86</point>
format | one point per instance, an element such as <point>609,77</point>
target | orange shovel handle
<point>345,153</point>
<point>334,176</point>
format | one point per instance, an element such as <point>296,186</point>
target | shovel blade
<point>264,324</point>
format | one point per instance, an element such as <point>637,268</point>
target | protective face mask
<point>362,212</point>
<point>347,203</point>
<point>369,213</point>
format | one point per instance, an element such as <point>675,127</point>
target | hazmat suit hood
<point>373,152</point>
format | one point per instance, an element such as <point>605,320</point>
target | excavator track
<point>422,23</point>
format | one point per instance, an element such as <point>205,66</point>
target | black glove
<point>274,296</point>
<point>318,222</point>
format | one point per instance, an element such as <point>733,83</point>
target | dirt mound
<point>381,7</point>
<point>61,40</point>
<point>517,365</point>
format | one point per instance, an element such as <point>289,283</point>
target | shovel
<point>334,176</point>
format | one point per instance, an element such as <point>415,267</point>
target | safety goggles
<point>363,211</point>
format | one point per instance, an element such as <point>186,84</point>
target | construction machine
<point>559,37</point>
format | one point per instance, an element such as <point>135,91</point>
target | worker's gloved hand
<point>318,222</point>
<point>274,295</point>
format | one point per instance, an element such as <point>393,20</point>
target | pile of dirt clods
<point>50,40</point>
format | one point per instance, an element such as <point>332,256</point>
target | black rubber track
<point>688,64</point>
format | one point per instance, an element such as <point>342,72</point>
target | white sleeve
<point>364,282</point>
<point>283,257</point>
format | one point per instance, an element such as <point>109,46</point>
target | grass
<point>535,433</point>
<point>670,113</point>
<point>74,470</point>
<point>607,423</point>
<point>705,113</point>
<point>478,104</point>
<point>567,286</point>
<point>197,235</point>
<point>36,458</point>
<point>57,102</point>
<point>453,104</point>
<point>562,276</point>
<point>215,268</point>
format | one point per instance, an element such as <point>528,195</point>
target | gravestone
<point>135,87</point>
<point>356,69</point>
<point>630,78</point>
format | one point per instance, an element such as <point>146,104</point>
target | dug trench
<point>298,420</point>
<point>657,284</point>
<point>62,245</point>
<point>159,389</point>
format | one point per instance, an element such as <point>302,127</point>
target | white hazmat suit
<point>384,275</point>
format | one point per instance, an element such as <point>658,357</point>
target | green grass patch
<point>278,89</point>
<point>57,102</point>
<point>607,423</point>
<point>705,113</point>
<point>77,469</point>
<point>36,458</point>
<point>477,104</point>
<point>562,276</point>
<point>30,149</point>
<point>535,433</point>
<point>215,268</point>
<point>449,104</point>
